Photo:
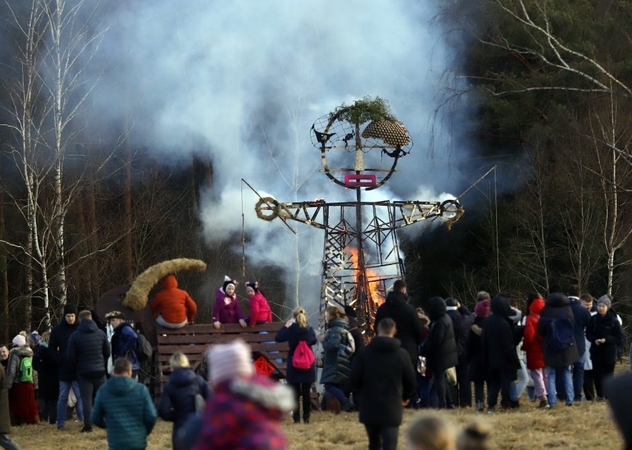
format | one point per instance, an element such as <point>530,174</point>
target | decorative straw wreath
<point>137,295</point>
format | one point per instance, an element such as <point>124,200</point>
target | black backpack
<point>144,350</point>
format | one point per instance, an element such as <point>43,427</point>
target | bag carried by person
<point>303,357</point>
<point>561,334</point>
<point>421,365</point>
<point>347,344</point>
<point>200,403</point>
<point>450,375</point>
<point>144,350</point>
<point>25,372</point>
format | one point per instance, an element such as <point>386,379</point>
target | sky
<point>242,82</point>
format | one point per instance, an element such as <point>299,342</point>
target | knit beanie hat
<point>19,341</point>
<point>606,300</point>
<point>35,337</point>
<point>70,309</point>
<point>482,308</point>
<point>228,361</point>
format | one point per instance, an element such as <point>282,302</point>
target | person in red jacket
<point>259,308</point>
<point>173,307</point>
<point>532,345</point>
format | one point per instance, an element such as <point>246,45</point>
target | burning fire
<point>372,278</point>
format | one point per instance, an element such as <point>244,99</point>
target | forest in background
<point>546,84</point>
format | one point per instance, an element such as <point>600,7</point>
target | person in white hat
<point>247,409</point>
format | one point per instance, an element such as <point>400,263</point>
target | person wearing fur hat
<point>247,409</point>
<point>259,309</point>
<point>22,404</point>
<point>67,374</point>
<point>173,307</point>
<point>605,335</point>
<point>227,308</point>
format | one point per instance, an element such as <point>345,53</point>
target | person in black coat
<point>462,320</point>
<point>498,344</point>
<point>47,378</point>
<point>88,351</point>
<point>294,331</point>
<point>474,353</point>
<point>385,378</point>
<point>67,374</point>
<point>605,335</point>
<point>178,399</point>
<point>409,329</point>
<point>582,317</point>
<point>557,363</point>
<point>439,348</point>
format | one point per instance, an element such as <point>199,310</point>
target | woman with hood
<point>336,363</point>
<point>173,307</point>
<point>439,348</point>
<point>296,330</point>
<point>605,335</point>
<point>498,343</point>
<point>227,308</point>
<point>22,405</point>
<point>532,345</point>
<point>178,400</point>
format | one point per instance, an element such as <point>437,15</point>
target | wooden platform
<point>193,340</point>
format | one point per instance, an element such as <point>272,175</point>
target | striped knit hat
<point>228,361</point>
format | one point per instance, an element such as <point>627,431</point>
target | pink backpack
<point>303,356</point>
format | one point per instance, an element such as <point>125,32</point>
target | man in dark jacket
<point>582,317</point>
<point>557,362</point>
<point>88,351</point>
<point>462,321</point>
<point>124,340</point>
<point>439,348</point>
<point>385,378</point>
<point>498,345</point>
<point>409,329</point>
<point>58,350</point>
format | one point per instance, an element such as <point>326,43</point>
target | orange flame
<point>372,278</point>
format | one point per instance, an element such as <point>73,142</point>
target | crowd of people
<point>562,349</point>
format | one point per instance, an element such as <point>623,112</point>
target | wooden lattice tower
<point>361,257</point>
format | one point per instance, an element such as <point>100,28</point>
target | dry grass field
<point>586,425</point>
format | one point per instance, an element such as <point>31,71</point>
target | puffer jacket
<point>246,414</point>
<point>226,308</point>
<point>13,365</point>
<point>89,350</point>
<point>173,304</point>
<point>336,365</point>
<point>126,409</point>
<point>177,402</point>
<point>532,341</point>
<point>556,305</point>
<point>259,309</point>
<point>440,347</point>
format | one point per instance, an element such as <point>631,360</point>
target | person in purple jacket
<point>227,308</point>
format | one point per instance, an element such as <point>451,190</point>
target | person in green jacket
<point>125,409</point>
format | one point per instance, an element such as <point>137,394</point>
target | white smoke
<point>245,80</point>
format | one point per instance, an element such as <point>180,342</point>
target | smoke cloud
<point>242,82</point>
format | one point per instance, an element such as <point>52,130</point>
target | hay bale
<point>138,293</point>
